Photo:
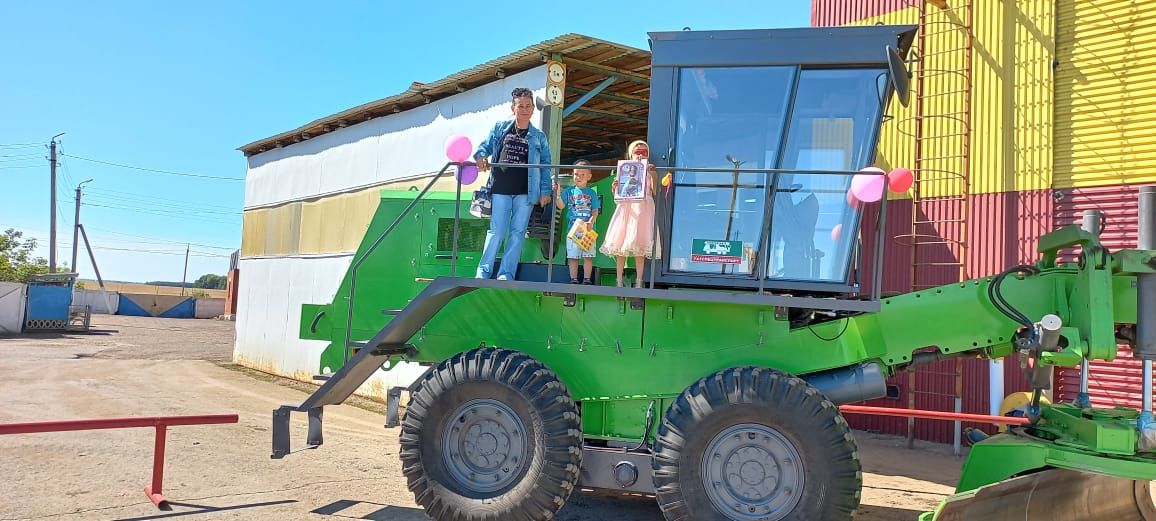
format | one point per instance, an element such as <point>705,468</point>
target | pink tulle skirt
<point>631,231</point>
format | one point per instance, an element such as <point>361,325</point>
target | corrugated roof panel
<point>517,61</point>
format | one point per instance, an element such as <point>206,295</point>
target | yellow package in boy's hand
<point>582,236</point>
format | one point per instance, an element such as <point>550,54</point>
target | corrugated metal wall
<point>1012,118</point>
<point>1116,382</point>
<point>842,12</point>
<point>1063,115</point>
<point>1105,87</point>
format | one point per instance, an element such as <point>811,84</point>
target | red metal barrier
<point>932,415</point>
<point>160,423</point>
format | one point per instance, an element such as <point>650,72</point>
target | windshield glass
<point>743,117</point>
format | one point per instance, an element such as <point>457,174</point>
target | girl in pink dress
<point>631,230</point>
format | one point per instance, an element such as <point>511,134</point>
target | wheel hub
<point>751,471</point>
<point>485,445</point>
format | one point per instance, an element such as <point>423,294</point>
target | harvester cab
<point>716,383</point>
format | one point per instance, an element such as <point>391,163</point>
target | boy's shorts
<point>573,251</point>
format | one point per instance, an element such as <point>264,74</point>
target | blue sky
<point>178,87</point>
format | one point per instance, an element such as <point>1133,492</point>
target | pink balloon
<point>867,186</point>
<point>852,201</point>
<point>900,179</point>
<point>458,148</point>
<point>467,174</point>
<point>836,232</point>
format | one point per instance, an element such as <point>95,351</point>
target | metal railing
<point>357,262</point>
<point>160,423</point>
<point>772,183</point>
<point>877,265</point>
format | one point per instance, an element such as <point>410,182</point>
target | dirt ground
<point>133,366</point>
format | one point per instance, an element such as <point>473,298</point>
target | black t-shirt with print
<point>515,149</point>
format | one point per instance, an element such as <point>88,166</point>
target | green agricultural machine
<point>717,385</point>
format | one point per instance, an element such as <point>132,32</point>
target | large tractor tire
<point>491,435</point>
<point>752,443</point>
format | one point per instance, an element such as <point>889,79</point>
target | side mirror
<point>900,77</point>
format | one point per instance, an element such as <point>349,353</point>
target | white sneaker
<point>503,277</point>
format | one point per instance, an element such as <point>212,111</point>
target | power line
<point>140,198</point>
<point>159,211</point>
<point>40,241</point>
<point>168,172</point>
<point>182,215</point>
<point>230,248</point>
<point>64,167</point>
<point>181,208</point>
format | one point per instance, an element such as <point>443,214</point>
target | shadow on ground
<point>177,509</point>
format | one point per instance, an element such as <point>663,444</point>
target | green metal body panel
<point>1005,455</point>
<point>623,353</point>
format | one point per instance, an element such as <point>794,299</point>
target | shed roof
<point>620,109</point>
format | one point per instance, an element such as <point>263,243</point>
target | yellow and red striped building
<point>1022,116</point>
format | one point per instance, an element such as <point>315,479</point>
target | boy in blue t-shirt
<point>579,202</point>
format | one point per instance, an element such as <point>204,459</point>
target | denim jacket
<point>540,182</point>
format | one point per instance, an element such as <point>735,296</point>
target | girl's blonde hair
<point>636,142</point>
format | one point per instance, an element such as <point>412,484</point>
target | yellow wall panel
<point>311,228</point>
<point>897,138</point>
<point>359,210</point>
<point>253,233</point>
<point>1105,106</point>
<point>1011,100</point>
<point>333,224</point>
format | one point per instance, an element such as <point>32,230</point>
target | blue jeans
<point>510,215</point>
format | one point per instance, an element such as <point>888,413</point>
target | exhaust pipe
<point>850,384</point>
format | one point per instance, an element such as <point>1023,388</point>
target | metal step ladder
<point>392,340</point>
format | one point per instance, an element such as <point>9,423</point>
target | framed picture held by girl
<point>631,177</point>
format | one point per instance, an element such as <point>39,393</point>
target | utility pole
<point>91,257</point>
<point>186,274</point>
<point>76,227</point>
<point>52,194</point>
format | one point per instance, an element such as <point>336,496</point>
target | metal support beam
<point>604,131</point>
<point>600,156</point>
<point>554,132</point>
<point>1146,283</point>
<point>1093,222</point>
<point>1146,314</point>
<point>619,98</point>
<point>554,135</point>
<point>589,94</point>
<point>91,257</point>
<point>608,71</point>
<point>610,115</point>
